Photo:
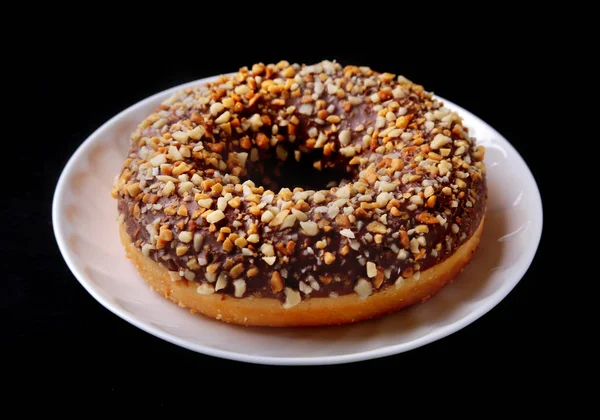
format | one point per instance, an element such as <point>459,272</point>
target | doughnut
<point>301,195</point>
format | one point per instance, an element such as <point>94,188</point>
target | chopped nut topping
<point>276,282</point>
<point>253,238</point>
<point>182,211</point>
<point>269,260</point>
<point>309,228</point>
<point>205,289</point>
<point>180,136</point>
<point>240,288</point>
<point>329,258</point>
<point>198,239</point>
<point>227,245</point>
<point>414,246</point>
<point>240,242</point>
<point>422,228</point>
<point>267,216</point>
<point>288,222</point>
<point>376,227</point>
<point>221,282</point>
<point>215,216</point>
<point>185,237</point>
<point>345,137</point>
<point>174,275</point>
<point>205,202</point>
<point>318,197</point>
<point>427,218</point>
<point>387,186</point>
<point>292,298</point>
<point>347,233</point>
<point>268,250</point>
<point>236,271</point>
<point>278,220</point>
<point>439,141</point>
<point>134,189</point>
<point>363,288</point>
<point>371,269</point>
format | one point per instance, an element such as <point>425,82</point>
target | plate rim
<point>437,334</point>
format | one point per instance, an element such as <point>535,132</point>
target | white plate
<point>84,217</point>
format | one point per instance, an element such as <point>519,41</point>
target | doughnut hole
<point>273,173</point>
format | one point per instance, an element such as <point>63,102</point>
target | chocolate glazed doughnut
<point>291,195</point>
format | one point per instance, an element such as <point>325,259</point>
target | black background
<point>85,80</point>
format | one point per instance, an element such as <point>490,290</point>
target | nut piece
<point>223,118</point>
<point>431,201</point>
<point>376,227</point>
<point>180,136</point>
<point>363,288</point>
<point>347,233</point>
<point>174,275</point>
<point>215,216</point>
<point>269,260</point>
<point>378,280</point>
<point>198,239</point>
<point>134,189</point>
<point>345,137</point>
<point>348,151</point>
<point>197,133</point>
<point>182,211</point>
<point>253,238</point>
<point>479,153</point>
<point>309,228</point>
<point>387,186</point>
<point>205,289</point>
<point>318,197</point>
<point>305,288</point>
<point>404,239</point>
<point>236,271</point>
<point>343,192</point>
<point>278,220</point>
<point>292,298</point>
<point>439,141</point>
<point>267,216</point>
<point>329,258</point>
<point>240,242</point>
<point>185,237</point>
<point>227,245</point>
<point>422,228</point>
<point>414,246</point>
<point>205,202</point>
<point>268,250</point>
<point>371,269</point>
<point>212,268</point>
<point>288,222</point>
<point>276,282</point>
<point>221,281</point>
<point>240,288</point>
